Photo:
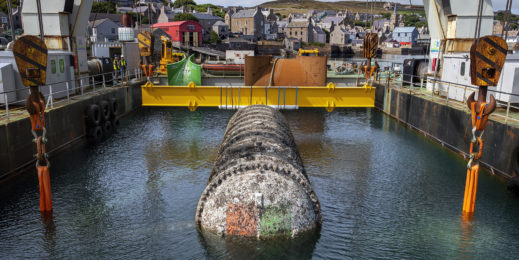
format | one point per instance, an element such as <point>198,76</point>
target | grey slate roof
<point>404,29</point>
<point>97,16</point>
<point>335,19</point>
<point>202,16</point>
<point>247,13</point>
<point>99,22</point>
<point>298,24</point>
<point>220,23</point>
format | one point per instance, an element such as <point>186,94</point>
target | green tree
<point>214,38</point>
<point>386,15</point>
<point>362,23</point>
<point>3,5</point>
<point>179,3</point>
<point>411,20</point>
<point>103,7</point>
<point>203,8</point>
<point>185,17</point>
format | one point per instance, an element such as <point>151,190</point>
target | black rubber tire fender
<point>114,106</point>
<point>95,134</point>
<point>115,123</point>
<point>106,112</point>
<point>107,129</point>
<point>93,115</point>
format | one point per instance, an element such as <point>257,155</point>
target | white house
<point>103,30</point>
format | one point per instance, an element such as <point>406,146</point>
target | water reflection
<point>385,192</point>
<point>49,232</point>
<point>300,247</point>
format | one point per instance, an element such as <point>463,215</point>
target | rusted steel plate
<point>242,220</point>
<point>30,54</point>
<point>370,45</point>
<point>146,42</point>
<point>256,67</point>
<point>301,71</point>
<point>487,57</point>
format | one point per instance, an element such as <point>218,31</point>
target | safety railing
<point>64,91</point>
<point>442,91</point>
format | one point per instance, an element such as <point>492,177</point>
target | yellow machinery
<point>168,56</point>
<point>233,97</point>
<point>308,52</point>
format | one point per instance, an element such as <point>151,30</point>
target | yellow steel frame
<point>312,51</point>
<point>233,97</point>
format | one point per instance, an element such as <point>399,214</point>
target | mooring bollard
<point>258,186</point>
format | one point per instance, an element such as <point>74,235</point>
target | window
<point>462,69</point>
<point>177,33</point>
<point>4,19</point>
<point>290,33</point>
<point>113,30</point>
<point>53,66</point>
<point>398,34</point>
<point>61,65</point>
<point>190,27</point>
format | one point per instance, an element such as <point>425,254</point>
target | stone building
<point>339,36</point>
<point>300,29</point>
<point>249,22</point>
<point>269,15</point>
<point>396,20</point>
<point>103,30</point>
<point>292,44</point>
<point>228,16</point>
<point>318,35</point>
<point>221,28</point>
<point>498,27</point>
<point>4,21</point>
<point>207,21</point>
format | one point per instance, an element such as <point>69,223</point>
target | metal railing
<point>441,91</point>
<point>88,85</point>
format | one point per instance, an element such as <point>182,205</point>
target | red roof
<point>178,23</point>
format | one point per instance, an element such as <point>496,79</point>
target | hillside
<point>287,6</point>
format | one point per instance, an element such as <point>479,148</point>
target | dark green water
<point>385,192</point>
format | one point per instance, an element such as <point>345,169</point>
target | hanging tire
<point>115,123</point>
<point>107,129</point>
<point>114,105</point>
<point>105,110</point>
<point>95,135</point>
<point>93,115</point>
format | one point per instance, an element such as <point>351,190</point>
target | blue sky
<point>498,4</point>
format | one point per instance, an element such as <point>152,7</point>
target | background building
<point>103,30</point>
<point>405,35</point>
<point>183,32</point>
<point>248,22</point>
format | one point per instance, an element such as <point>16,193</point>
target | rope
<point>506,23</point>
<point>477,29</point>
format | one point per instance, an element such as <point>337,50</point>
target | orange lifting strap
<point>479,121</point>
<point>42,165</point>
<point>370,72</point>
<point>147,70</point>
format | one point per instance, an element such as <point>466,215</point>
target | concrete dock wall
<point>452,128</point>
<point>65,125</point>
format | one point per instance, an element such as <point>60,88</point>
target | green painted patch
<point>275,220</point>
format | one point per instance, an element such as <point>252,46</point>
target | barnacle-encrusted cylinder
<point>258,186</point>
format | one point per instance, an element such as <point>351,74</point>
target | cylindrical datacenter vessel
<point>258,186</point>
